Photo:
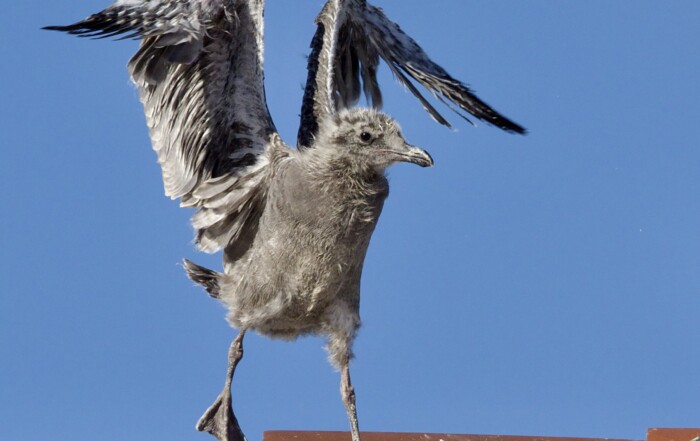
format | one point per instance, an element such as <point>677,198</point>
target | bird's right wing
<point>199,73</point>
<point>351,37</point>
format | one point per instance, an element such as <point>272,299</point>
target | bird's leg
<point>348,394</point>
<point>219,419</point>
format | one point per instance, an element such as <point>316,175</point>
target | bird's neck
<point>342,176</point>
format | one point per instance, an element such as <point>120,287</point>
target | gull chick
<point>300,273</point>
<point>293,224</point>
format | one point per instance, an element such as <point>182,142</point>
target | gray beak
<point>410,153</point>
<point>417,156</point>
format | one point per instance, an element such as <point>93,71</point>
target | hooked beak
<point>410,153</point>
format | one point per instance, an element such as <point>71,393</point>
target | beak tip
<point>415,155</point>
<point>429,160</point>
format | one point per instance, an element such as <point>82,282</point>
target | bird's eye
<point>365,137</point>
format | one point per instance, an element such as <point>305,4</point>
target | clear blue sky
<point>541,285</point>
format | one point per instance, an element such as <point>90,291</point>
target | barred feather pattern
<point>199,74</point>
<point>176,23</point>
<point>351,36</point>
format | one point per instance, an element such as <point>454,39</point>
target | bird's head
<point>368,139</point>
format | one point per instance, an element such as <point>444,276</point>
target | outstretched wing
<point>350,38</point>
<point>199,73</point>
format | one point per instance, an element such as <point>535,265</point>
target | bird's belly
<point>305,261</point>
<point>292,313</point>
<point>289,284</point>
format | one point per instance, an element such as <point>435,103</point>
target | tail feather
<point>204,276</point>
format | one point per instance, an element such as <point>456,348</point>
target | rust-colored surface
<point>387,436</point>
<point>673,435</point>
<point>279,435</point>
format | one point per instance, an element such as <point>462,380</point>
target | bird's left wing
<point>199,73</point>
<point>351,37</point>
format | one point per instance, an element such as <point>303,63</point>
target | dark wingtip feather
<point>408,61</point>
<point>55,28</point>
<point>472,104</point>
<point>449,90</point>
<point>496,119</point>
<point>511,127</point>
<point>80,28</point>
<point>104,24</point>
<point>73,29</point>
<point>504,123</point>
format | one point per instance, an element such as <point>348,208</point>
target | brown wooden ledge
<point>673,435</point>
<point>280,435</point>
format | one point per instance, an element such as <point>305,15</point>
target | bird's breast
<point>313,238</point>
<point>307,256</point>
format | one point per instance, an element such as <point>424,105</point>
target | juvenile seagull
<point>294,224</point>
